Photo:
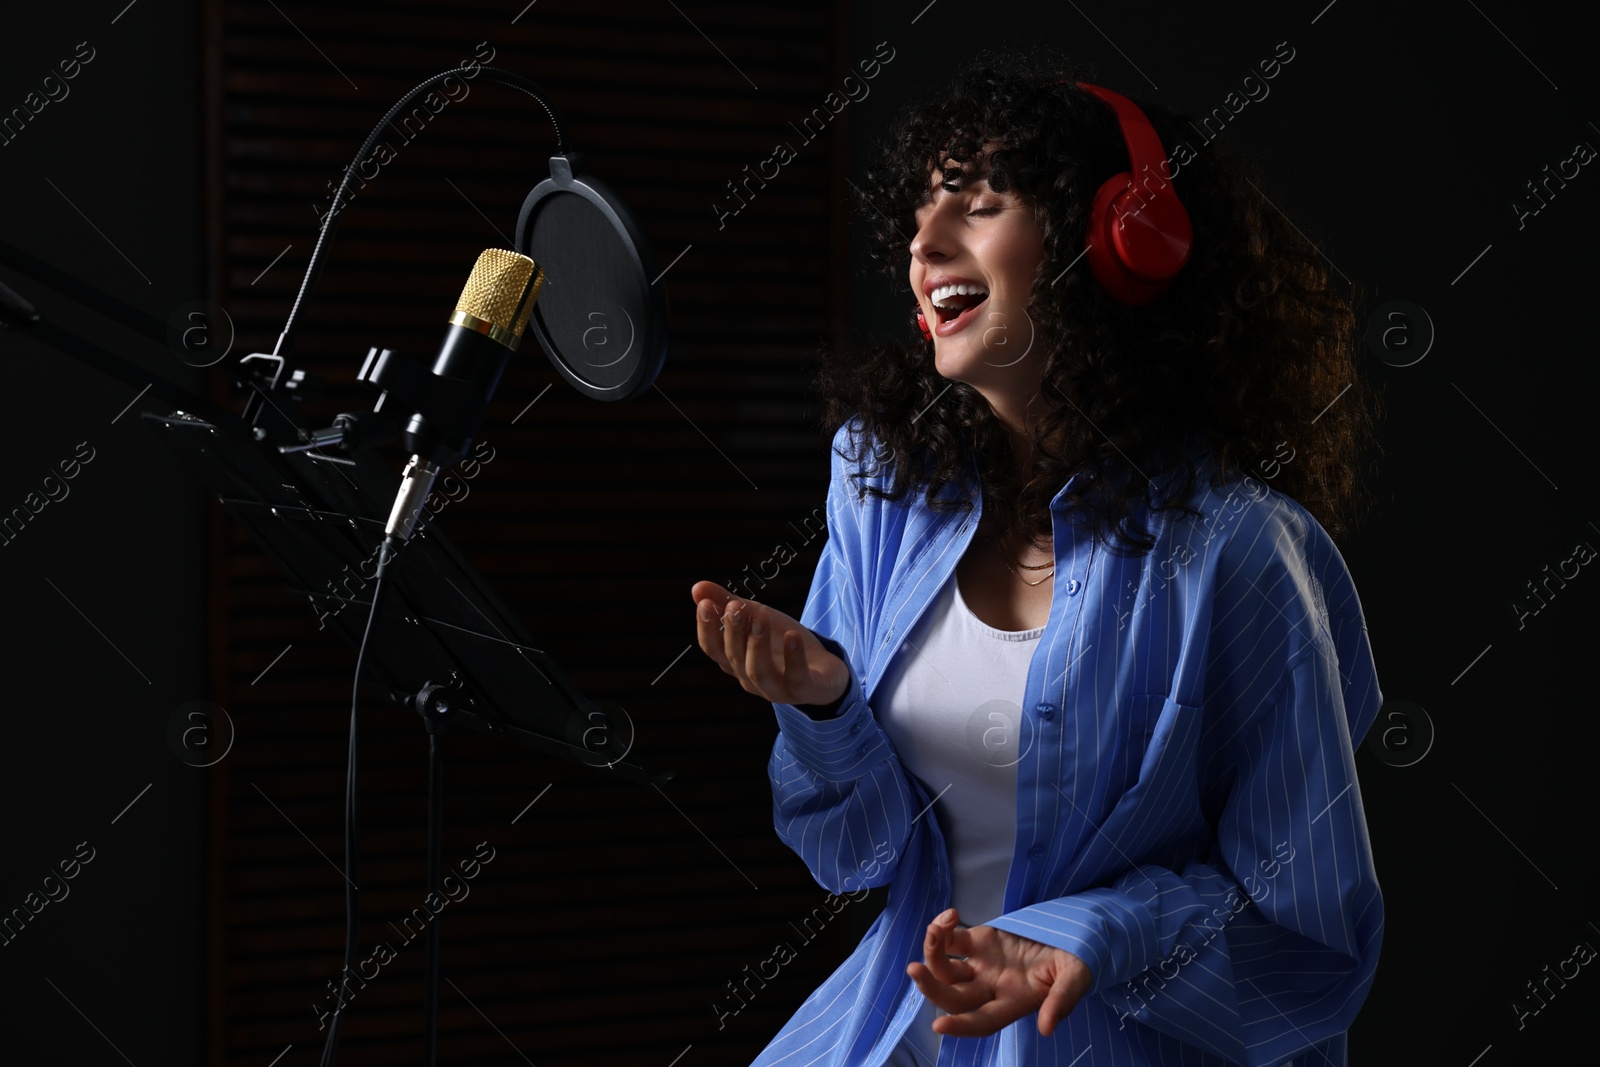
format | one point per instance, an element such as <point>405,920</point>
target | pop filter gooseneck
<point>340,197</point>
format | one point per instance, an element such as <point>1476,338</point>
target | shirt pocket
<point>1139,717</point>
<point>1161,735</point>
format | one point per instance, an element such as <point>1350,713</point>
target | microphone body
<point>479,342</point>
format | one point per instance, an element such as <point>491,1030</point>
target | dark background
<point>188,156</point>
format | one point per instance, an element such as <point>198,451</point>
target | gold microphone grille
<point>500,294</point>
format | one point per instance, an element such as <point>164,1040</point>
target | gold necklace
<point>1013,566</point>
<point>1025,581</point>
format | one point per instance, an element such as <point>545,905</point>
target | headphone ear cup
<point>1101,246</point>
<point>1136,246</point>
<point>1138,239</point>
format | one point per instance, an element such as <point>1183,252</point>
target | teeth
<point>945,292</point>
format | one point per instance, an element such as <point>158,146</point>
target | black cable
<point>390,546</point>
<point>352,808</point>
<point>435,888</point>
<point>331,219</point>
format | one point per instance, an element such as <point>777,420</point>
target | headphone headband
<point>1144,145</point>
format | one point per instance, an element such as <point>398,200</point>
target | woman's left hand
<point>1003,978</point>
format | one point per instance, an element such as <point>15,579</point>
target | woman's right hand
<point>771,654</point>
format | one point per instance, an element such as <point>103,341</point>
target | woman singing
<point>1081,671</point>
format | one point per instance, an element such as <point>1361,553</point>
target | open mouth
<point>956,306</point>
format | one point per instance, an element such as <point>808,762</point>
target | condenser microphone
<point>484,332</point>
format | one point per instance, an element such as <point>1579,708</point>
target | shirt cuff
<point>1112,934</point>
<point>843,747</point>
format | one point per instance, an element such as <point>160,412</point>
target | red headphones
<point>1139,235</point>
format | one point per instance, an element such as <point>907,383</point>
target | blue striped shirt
<point>1188,818</point>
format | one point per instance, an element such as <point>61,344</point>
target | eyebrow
<point>966,184</point>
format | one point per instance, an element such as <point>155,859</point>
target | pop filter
<point>601,318</point>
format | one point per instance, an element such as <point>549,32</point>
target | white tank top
<point>951,703</point>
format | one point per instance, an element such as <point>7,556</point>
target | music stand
<point>447,649</point>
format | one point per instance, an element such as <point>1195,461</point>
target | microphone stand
<point>462,659</point>
<point>250,461</point>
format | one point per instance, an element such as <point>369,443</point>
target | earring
<point>922,325</point>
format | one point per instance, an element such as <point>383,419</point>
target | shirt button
<point>1047,712</point>
<point>861,751</point>
<point>1036,852</point>
<point>855,728</point>
<point>1073,585</point>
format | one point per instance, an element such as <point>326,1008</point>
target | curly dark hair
<point>1243,353</point>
